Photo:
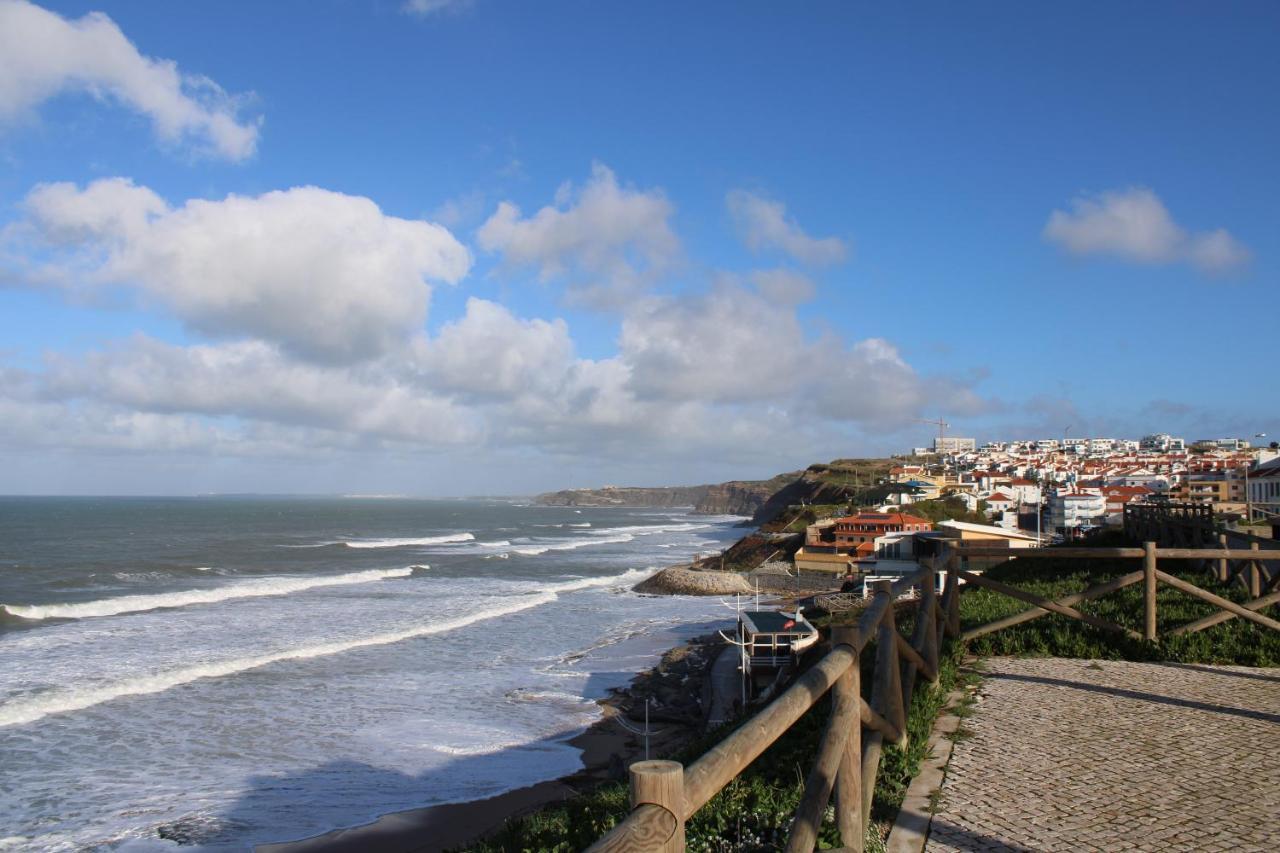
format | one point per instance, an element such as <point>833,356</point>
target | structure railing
<point>664,794</point>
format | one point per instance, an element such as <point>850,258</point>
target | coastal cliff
<point>839,481</point>
<point>738,497</point>
<point>664,496</point>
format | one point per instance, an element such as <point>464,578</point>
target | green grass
<point>1234,642</point>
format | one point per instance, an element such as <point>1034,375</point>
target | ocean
<point>229,671</point>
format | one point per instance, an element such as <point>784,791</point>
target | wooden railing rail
<point>1249,567</point>
<point>665,795</point>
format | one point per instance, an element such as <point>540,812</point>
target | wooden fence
<point>664,794</point>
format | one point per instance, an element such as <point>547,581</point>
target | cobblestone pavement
<point>1112,755</point>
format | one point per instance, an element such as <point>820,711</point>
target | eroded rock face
<point>678,580</point>
<point>625,496</point>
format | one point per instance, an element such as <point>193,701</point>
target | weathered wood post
<point>660,783</point>
<point>849,778</point>
<point>1255,574</point>
<point>1224,571</point>
<point>953,608</point>
<point>925,613</point>
<point>1149,589</point>
<point>886,692</point>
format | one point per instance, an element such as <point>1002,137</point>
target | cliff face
<point>625,496</point>
<point>840,481</point>
<point>740,497</point>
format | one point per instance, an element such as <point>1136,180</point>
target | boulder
<point>680,580</point>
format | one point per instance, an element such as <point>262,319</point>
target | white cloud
<point>43,55</point>
<point>784,286</point>
<point>324,296</point>
<point>607,239</point>
<point>728,345</point>
<point>426,8</point>
<point>253,380</point>
<point>735,346</point>
<point>327,276</point>
<point>763,224</point>
<point>489,352</point>
<point>1134,224</point>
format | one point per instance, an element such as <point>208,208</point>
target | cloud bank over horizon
<point>309,308</point>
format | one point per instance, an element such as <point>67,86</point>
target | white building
<point>1071,511</point>
<point>1221,444</point>
<point>1264,489</point>
<point>1101,445</point>
<point>954,444</point>
<point>1161,442</point>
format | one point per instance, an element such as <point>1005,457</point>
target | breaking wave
<point>245,589</point>
<point>62,701</point>
<point>76,699</point>
<point>572,544</point>
<point>401,543</point>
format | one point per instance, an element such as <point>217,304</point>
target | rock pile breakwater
<point>681,580</point>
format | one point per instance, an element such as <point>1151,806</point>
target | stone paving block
<point>1115,755</point>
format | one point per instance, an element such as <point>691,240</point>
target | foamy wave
<point>572,544</point>
<point>62,701</point>
<point>486,749</point>
<point>401,543</point>
<point>246,589</point>
<point>650,529</point>
<point>627,578</point>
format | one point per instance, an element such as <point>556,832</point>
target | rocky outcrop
<point>679,580</point>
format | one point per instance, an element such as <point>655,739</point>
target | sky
<point>463,247</point>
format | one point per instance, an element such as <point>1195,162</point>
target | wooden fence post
<point>953,607</point>
<point>849,777</point>
<point>1224,573</point>
<point>1255,574</point>
<point>886,692</point>
<point>661,783</point>
<point>1149,589</point>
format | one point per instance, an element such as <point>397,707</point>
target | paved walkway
<point>1111,755</point>
<point>726,686</point>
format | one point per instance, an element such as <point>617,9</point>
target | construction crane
<point>942,429</point>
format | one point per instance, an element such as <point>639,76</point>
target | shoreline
<point>607,750</point>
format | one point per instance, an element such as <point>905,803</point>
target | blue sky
<point>569,243</point>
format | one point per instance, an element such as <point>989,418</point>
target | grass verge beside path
<point>1237,641</point>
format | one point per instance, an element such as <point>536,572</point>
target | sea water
<point>231,671</point>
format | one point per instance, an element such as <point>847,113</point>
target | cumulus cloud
<point>784,286</point>
<point>315,302</point>
<point>490,353</point>
<point>1133,224</point>
<point>728,345</point>
<point>735,346</point>
<point>327,276</point>
<point>43,55</point>
<point>607,239</point>
<point>763,224</point>
<point>253,380</point>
